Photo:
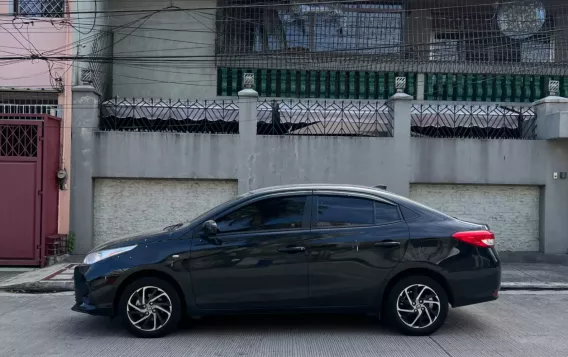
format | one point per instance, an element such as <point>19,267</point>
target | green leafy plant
<point>70,242</point>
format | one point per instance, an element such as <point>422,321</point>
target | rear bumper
<point>473,287</point>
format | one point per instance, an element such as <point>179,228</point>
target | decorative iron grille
<point>40,8</point>
<point>476,121</point>
<point>18,140</point>
<point>325,118</point>
<point>209,116</point>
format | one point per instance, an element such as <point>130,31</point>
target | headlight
<point>103,254</point>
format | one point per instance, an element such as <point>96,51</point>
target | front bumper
<point>95,297</point>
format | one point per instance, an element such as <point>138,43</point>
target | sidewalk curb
<point>39,287</point>
<point>38,281</point>
<point>534,286</point>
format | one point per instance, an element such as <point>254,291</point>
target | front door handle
<point>291,249</point>
<point>387,243</point>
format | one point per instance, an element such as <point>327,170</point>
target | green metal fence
<point>380,85</point>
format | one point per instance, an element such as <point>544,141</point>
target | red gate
<point>29,160</point>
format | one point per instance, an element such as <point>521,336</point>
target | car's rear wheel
<point>150,307</point>
<point>417,305</point>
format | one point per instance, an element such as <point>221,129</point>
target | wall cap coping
<point>401,96</point>
<point>248,92</point>
<point>551,99</point>
<point>85,88</point>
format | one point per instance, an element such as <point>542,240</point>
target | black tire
<point>156,311</point>
<point>422,314</point>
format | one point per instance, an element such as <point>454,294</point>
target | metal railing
<point>325,118</point>
<point>207,116</point>
<point>473,120</point>
<point>23,111</point>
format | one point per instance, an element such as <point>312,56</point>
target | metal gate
<point>26,215</point>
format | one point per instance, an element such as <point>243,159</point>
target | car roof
<point>327,187</point>
<point>347,188</point>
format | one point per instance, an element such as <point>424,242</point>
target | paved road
<point>517,325</point>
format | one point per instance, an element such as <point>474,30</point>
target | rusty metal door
<point>20,191</point>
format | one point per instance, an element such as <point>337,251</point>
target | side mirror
<point>210,228</point>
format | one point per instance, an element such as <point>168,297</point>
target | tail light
<point>484,239</point>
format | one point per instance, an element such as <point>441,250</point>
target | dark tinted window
<point>334,211</point>
<point>407,213</point>
<point>385,213</point>
<point>268,214</point>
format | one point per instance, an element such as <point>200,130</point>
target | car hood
<point>166,233</point>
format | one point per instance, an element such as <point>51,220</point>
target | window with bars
<point>39,8</point>
<point>363,28</point>
<point>475,37</point>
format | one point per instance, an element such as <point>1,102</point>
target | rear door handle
<point>387,243</point>
<point>291,249</point>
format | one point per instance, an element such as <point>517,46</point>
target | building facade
<point>162,133</point>
<point>35,130</point>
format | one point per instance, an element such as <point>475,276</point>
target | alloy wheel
<point>149,308</point>
<point>418,306</point>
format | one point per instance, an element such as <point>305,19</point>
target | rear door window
<point>386,213</point>
<point>341,211</point>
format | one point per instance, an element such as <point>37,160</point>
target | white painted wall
<point>512,212</point>
<point>127,206</point>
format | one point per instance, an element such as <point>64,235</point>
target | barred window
<point>364,28</point>
<point>39,8</point>
<point>476,36</point>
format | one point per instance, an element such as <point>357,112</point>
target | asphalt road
<point>517,325</point>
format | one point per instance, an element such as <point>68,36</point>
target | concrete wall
<point>165,155</point>
<point>518,162</point>
<point>190,34</point>
<point>258,161</point>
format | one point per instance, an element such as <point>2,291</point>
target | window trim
<point>374,199</point>
<point>305,219</point>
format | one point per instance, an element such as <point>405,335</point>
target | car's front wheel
<point>150,307</point>
<point>417,305</point>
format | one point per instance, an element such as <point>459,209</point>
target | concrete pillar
<point>544,107</point>
<point>554,195</point>
<point>401,107</point>
<point>248,100</point>
<point>85,123</point>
